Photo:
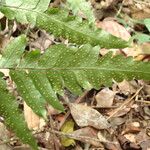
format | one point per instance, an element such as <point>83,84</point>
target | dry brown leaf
<point>133,127</point>
<point>105,97</point>
<point>33,121</point>
<point>145,145</point>
<point>146,89</point>
<point>126,87</point>
<point>52,111</point>
<point>42,42</point>
<point>119,113</point>
<point>114,28</point>
<point>116,121</point>
<point>142,136</point>
<point>87,135</point>
<point>87,116</point>
<point>130,137</point>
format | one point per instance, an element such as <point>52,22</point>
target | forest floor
<point>125,105</point>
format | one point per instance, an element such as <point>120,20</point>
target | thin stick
<point>125,103</point>
<point>72,136</point>
<point>147,102</point>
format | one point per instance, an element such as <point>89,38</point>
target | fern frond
<point>24,11</point>
<point>60,23</point>
<point>12,116</point>
<point>40,77</point>
<point>74,68</point>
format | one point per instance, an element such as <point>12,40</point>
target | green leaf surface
<point>13,52</point>
<point>28,91</point>
<point>13,118</point>
<point>21,9</point>
<point>60,23</point>
<point>40,77</point>
<point>141,38</point>
<point>147,23</point>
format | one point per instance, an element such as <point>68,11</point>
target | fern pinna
<point>40,78</point>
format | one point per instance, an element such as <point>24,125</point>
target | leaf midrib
<point>82,69</point>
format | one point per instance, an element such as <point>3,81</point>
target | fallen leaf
<point>146,89</point>
<point>105,97</point>
<point>126,87</point>
<point>116,121</point>
<point>68,127</point>
<point>119,113</point>
<point>145,145</point>
<point>127,144</point>
<point>33,121</point>
<point>142,136</point>
<point>87,116</point>
<point>133,127</point>
<point>87,135</point>
<point>130,137</point>
<point>114,28</point>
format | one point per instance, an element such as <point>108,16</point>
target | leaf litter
<point>120,111</point>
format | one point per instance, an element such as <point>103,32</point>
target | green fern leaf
<point>13,119</point>
<point>82,67</point>
<point>74,68</point>
<point>13,56</point>
<point>28,91</point>
<point>40,77</point>
<point>59,23</point>
<point>13,52</point>
<point>21,10</point>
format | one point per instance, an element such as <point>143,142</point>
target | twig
<point>125,103</point>
<point>147,102</point>
<point>120,8</point>
<point>77,137</point>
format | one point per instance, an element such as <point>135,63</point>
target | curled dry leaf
<point>127,144</point>
<point>87,116</point>
<point>87,135</point>
<point>33,121</point>
<point>105,97</point>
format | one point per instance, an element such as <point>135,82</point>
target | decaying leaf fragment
<point>86,116</point>
<point>105,97</point>
<point>87,135</point>
<point>33,121</point>
<point>68,127</point>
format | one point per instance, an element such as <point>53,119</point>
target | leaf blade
<point>9,110</point>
